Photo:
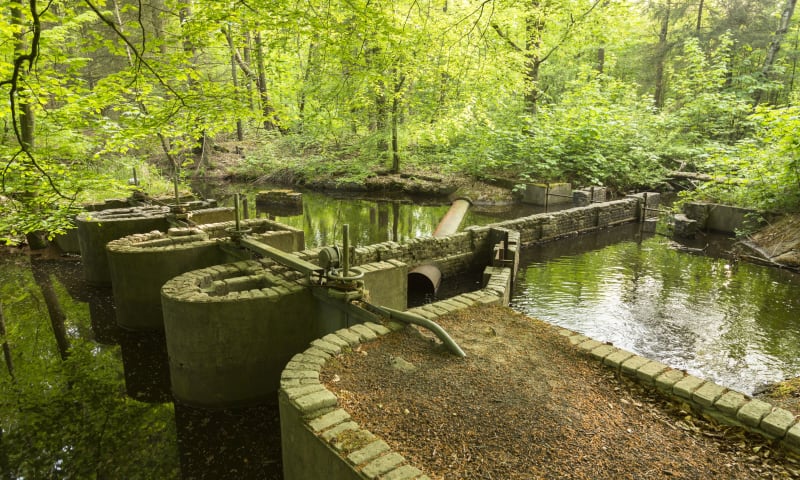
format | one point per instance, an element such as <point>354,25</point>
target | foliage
<point>71,418</point>
<point>762,172</point>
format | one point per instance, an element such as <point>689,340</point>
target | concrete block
<point>352,338</point>
<point>308,359</point>
<point>633,364</point>
<point>753,411</point>
<point>302,390</point>
<point>371,451</point>
<point>602,351</point>
<point>649,371</point>
<point>668,378</point>
<point>328,420</point>
<point>382,465</point>
<point>777,422</point>
<point>336,340</point>
<point>589,345</point>
<point>287,374</point>
<point>327,347</point>
<point>730,402</point>
<point>615,359</point>
<point>708,393</point>
<point>578,339</point>
<point>686,386</point>
<point>406,472</point>
<point>315,401</point>
<point>365,333</point>
<point>332,434</point>
<point>377,328</point>
<point>793,436</point>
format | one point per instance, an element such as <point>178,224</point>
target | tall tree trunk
<point>56,313</point>
<point>6,347</point>
<point>775,45</point>
<point>534,28</point>
<point>395,112</point>
<point>662,50</point>
<point>25,114</point>
<point>266,103</point>
<point>249,61</point>
<point>699,18</point>
<point>235,80</point>
<point>601,60</point>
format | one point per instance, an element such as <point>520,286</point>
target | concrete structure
<point>547,193</point>
<point>140,264</point>
<point>721,218</point>
<point>321,440</point>
<point>96,229</point>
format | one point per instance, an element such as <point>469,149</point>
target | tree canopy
<point>614,92</point>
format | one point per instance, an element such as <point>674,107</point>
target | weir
<point>240,298</point>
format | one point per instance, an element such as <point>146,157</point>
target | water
<point>371,220</point>
<point>732,322</point>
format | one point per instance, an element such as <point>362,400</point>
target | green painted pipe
<point>434,327</point>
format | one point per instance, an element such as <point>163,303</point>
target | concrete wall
<point>140,264</point>
<point>720,218</point>
<point>96,229</point>
<point>231,328</point>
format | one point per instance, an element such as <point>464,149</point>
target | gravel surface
<point>526,404</point>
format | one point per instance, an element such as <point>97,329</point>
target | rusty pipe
<point>425,279</point>
<point>452,219</point>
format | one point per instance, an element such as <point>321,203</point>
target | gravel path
<point>525,404</point>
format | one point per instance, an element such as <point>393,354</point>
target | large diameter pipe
<point>426,279</point>
<point>452,219</point>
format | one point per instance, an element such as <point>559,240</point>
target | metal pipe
<point>236,210</point>
<point>452,219</point>
<point>434,327</point>
<point>346,249</point>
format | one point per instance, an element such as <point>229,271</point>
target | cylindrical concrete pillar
<point>96,229</point>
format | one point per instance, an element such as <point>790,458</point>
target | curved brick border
<point>726,406</point>
<point>362,455</point>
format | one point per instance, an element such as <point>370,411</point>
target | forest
<point>623,93</point>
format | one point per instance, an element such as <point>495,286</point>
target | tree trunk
<point>775,45</point>
<point>56,313</point>
<point>534,27</point>
<point>699,18</point>
<point>601,59</point>
<point>395,112</point>
<point>266,103</point>
<point>235,80</point>
<point>25,113</point>
<point>6,347</point>
<point>663,48</point>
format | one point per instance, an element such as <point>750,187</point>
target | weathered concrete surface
<point>231,328</point>
<point>721,218</point>
<point>547,194</point>
<point>96,229</point>
<point>141,264</point>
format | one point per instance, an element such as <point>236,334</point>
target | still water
<point>732,322</point>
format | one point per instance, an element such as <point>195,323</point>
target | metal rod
<point>135,178</point>
<point>245,209</point>
<point>236,210</point>
<point>280,256</point>
<point>346,249</point>
<point>546,197</point>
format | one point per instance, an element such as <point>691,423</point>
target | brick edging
<point>724,405</point>
<point>371,457</point>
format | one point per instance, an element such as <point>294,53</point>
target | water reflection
<point>371,220</point>
<point>731,322</point>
